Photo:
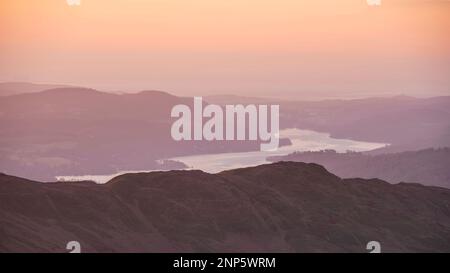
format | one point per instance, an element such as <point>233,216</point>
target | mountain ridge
<point>279,207</point>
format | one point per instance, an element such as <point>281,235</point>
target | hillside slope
<point>281,207</point>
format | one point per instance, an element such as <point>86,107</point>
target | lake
<point>302,140</point>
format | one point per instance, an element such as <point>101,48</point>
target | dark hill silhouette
<point>429,167</point>
<point>281,207</point>
<point>15,88</point>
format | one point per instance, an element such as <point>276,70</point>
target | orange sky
<point>290,47</point>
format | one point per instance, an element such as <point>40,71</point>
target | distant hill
<point>407,123</point>
<point>15,88</point>
<point>281,207</point>
<point>81,131</point>
<point>234,99</point>
<point>428,167</point>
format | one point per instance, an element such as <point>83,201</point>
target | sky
<point>288,48</point>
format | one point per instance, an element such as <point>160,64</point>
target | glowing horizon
<point>207,47</point>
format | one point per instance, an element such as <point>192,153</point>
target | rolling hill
<point>280,207</point>
<point>79,131</point>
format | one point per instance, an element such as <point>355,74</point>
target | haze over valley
<point>79,131</point>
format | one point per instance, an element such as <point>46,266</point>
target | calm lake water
<point>302,140</point>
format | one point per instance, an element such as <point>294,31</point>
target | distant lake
<point>302,140</point>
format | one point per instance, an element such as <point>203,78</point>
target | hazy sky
<point>306,48</point>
